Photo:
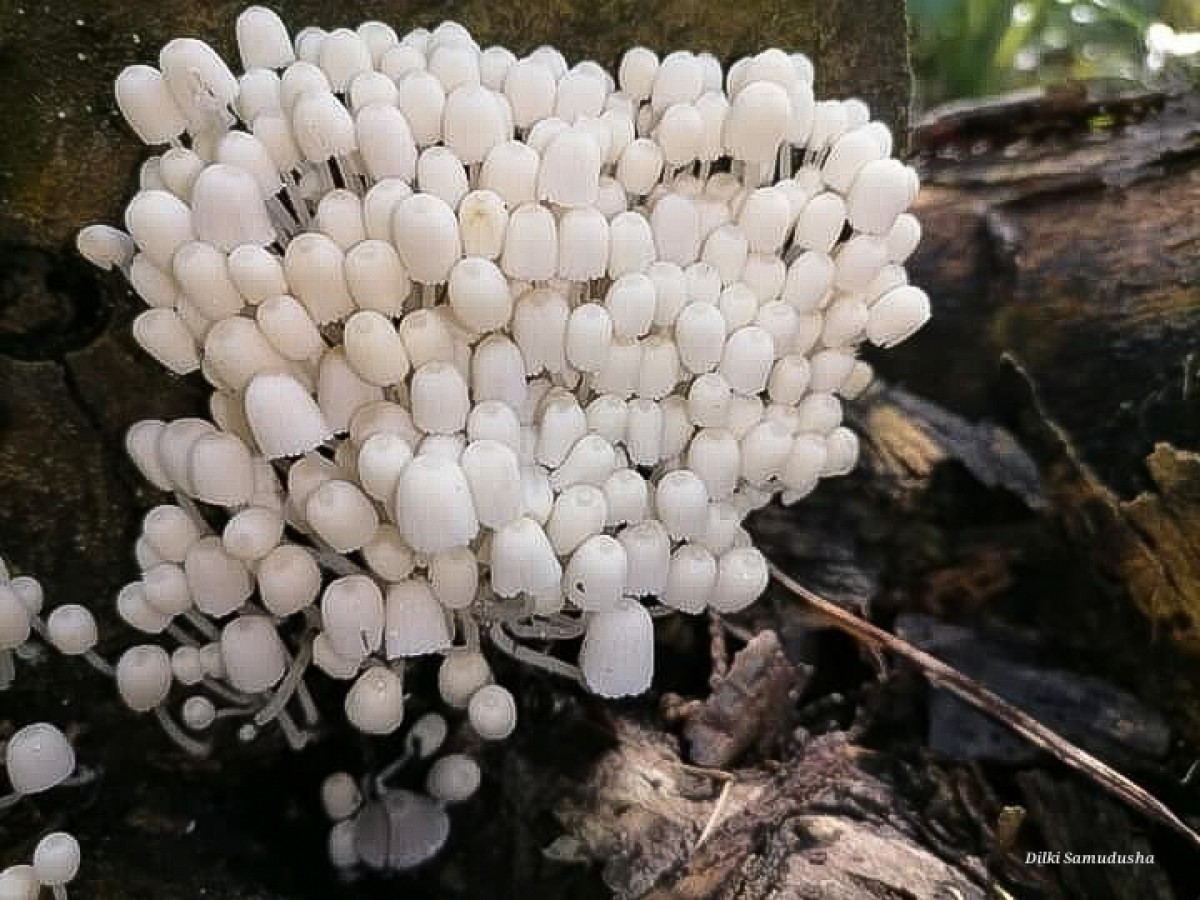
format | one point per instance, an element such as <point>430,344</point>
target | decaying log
<point>831,822</point>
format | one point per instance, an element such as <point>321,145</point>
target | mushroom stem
<point>227,693</point>
<point>296,738</point>
<point>98,662</point>
<point>505,643</point>
<point>308,706</point>
<point>285,224</point>
<point>59,891</point>
<point>470,629</point>
<point>299,207</point>
<point>287,687</point>
<point>328,558</point>
<point>8,669</point>
<point>785,160</point>
<point>547,628</point>
<point>202,625</point>
<point>385,774</point>
<point>188,744</point>
<point>181,636</point>
<point>188,505</point>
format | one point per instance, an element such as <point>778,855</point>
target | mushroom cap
<point>38,757</point>
<point>400,831</point>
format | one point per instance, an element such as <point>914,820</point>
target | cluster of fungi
<point>502,353</point>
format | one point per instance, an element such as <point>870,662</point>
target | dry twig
<point>941,675</point>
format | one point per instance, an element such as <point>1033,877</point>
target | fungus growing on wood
<point>500,356</point>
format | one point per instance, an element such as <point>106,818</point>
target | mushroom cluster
<point>493,340</point>
<point>502,353</point>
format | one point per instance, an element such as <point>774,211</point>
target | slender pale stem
<point>185,742</point>
<point>8,669</point>
<point>287,687</point>
<point>98,662</point>
<point>523,654</point>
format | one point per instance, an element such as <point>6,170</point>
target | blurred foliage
<point>966,48</point>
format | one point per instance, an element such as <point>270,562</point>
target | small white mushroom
<point>617,657</point>
<point>37,758</point>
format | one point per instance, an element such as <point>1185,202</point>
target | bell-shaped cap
<point>143,676</point>
<point>200,82</point>
<point>479,295</point>
<point>640,166</point>
<point>323,127</point>
<point>482,222</point>
<point>530,244</point>
<point>681,499</point>
<point>374,349</point>
<point>498,373</point>
<point>690,579</point>
<point>263,40</point>
<point>256,273</point>
<point>596,574</point>
<point>386,142</point>
<point>636,74</point>
<point>221,470</point>
<point>352,616</point>
<point>289,328</point>
<point>882,191</point>
<point>617,656</point>
<point>680,134</point>
<point>340,217</point>
<point>897,315</point>
<point>631,244</point>
<point>288,579</point>
<point>539,327</point>
<point>165,336</point>
<point>375,275</point>
<point>494,475</point>
<point>440,398</point>
<point>37,758</point>
<point>511,171</point>
<point>425,231</point>
<point>105,247</point>
<point>315,268</point>
<point>148,106</point>
<point>284,417</point>
<point>160,223</point>
<point>570,171</point>
<point>254,655</point>
<point>531,89</point>
<point>523,560</point>
<point>344,55</point>
<point>375,704</point>
<point>675,223</point>
<point>757,122</point>
<point>434,508</point>
<point>474,122</point>
<point>742,576</point>
<point>416,623</point>
<point>342,515</point>
<point>228,208</point>
<point>219,583</point>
